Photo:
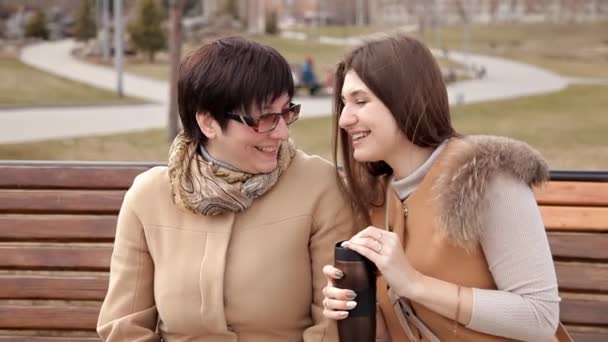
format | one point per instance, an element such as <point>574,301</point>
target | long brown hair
<point>403,74</point>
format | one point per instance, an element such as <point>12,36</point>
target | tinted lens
<point>268,122</point>
<point>292,114</point>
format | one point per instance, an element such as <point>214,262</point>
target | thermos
<point>360,277</point>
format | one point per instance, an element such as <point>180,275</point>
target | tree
<point>145,31</point>
<point>272,23</point>
<point>176,12</point>
<point>36,26</point>
<point>232,8</point>
<point>85,27</point>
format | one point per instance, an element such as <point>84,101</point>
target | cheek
<point>244,138</point>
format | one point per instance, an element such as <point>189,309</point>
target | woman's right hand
<point>337,301</point>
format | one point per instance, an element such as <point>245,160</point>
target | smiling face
<point>372,129</point>
<point>240,146</point>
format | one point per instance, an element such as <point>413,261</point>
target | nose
<point>347,117</point>
<point>281,132</point>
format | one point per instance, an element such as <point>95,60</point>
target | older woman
<point>227,243</point>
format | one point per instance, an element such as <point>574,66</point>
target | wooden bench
<point>57,224</point>
<point>574,206</point>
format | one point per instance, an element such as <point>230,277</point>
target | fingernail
<point>345,244</point>
<point>344,314</point>
<point>339,274</point>
<point>351,295</point>
<point>351,304</point>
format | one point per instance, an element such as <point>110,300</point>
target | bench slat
<point>49,317</point>
<point>64,258</point>
<point>575,218</point>
<point>48,339</point>
<point>588,309</point>
<point>578,245</point>
<point>573,193</point>
<point>587,334</point>
<point>61,201</point>
<point>58,227</point>
<point>582,276</point>
<point>68,177</point>
<point>53,287</point>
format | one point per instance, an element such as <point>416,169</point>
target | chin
<point>266,168</point>
<point>363,157</point>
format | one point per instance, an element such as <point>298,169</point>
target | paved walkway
<point>504,79</point>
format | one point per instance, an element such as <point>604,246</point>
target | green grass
<point>339,31</point>
<point>325,55</point>
<point>568,127</point>
<point>577,49</point>
<point>568,131</point>
<point>24,86</point>
<point>295,51</point>
<point>159,71</point>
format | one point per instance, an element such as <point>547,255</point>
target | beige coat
<point>255,276</point>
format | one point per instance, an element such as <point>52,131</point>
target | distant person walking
<point>308,77</point>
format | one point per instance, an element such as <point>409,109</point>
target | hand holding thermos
<point>358,277</point>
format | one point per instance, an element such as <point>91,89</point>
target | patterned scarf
<point>207,188</point>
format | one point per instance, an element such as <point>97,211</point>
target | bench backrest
<point>57,224</point>
<point>574,206</point>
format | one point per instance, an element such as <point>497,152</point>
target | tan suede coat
<point>255,276</point>
<point>451,253</point>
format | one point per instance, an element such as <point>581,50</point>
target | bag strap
<point>406,314</point>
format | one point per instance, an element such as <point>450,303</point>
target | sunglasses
<point>268,121</point>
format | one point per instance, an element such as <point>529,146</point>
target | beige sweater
<point>526,304</point>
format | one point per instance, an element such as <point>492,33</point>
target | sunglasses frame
<point>253,123</point>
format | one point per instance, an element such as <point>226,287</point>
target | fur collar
<point>467,170</point>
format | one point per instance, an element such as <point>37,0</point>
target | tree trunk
<point>175,51</point>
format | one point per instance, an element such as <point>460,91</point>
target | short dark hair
<point>403,74</point>
<point>229,74</point>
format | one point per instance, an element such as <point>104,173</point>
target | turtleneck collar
<point>406,185</point>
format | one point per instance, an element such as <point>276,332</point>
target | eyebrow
<point>267,106</point>
<point>355,92</point>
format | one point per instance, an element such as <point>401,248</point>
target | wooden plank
<point>579,245</point>
<point>61,201</point>
<point>68,177</point>
<point>53,287</point>
<point>64,258</point>
<point>575,218</point>
<point>57,227</point>
<point>584,309</point>
<point>573,193</point>
<point>587,334</point>
<point>582,276</point>
<point>49,317</point>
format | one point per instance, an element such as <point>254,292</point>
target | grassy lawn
<point>569,133</point>
<point>325,57</point>
<point>23,86</point>
<point>578,49</point>
<point>339,31</point>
